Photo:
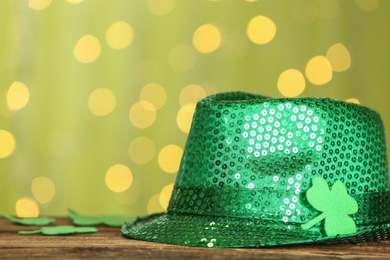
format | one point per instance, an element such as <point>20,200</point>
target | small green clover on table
<point>335,205</point>
<point>108,220</point>
<point>60,230</point>
<point>80,220</point>
<point>41,221</point>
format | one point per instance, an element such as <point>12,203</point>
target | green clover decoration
<point>335,205</point>
<point>59,230</point>
<point>109,220</point>
<point>41,221</point>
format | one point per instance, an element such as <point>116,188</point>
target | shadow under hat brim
<point>214,231</point>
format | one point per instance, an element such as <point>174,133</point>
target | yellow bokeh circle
<point>291,83</point>
<point>339,57</point>
<point>169,158</point>
<point>87,49</point>
<point>329,10</point>
<point>26,208</point>
<point>319,70</point>
<point>155,94</point>
<point>75,1</point>
<point>261,29</point>
<point>206,38</point>
<point>182,58</point>
<point>119,178</point>
<point>353,100</point>
<point>130,196</point>
<point>142,150</point>
<point>17,96</point>
<point>60,142</point>
<point>7,144</point>
<point>237,46</point>
<point>119,35</point>
<point>305,11</point>
<point>160,8</point>
<point>142,114</point>
<point>367,5</point>
<point>101,101</point>
<point>184,117</point>
<point>148,70</point>
<point>39,4</point>
<point>154,205</point>
<point>191,94</point>
<point>43,189</point>
<point>165,195</point>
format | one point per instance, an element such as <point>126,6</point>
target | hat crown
<point>249,156</point>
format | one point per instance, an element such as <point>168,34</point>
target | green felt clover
<point>335,205</point>
<point>109,220</point>
<point>60,230</point>
<point>41,221</point>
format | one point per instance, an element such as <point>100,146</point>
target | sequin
<point>247,165</point>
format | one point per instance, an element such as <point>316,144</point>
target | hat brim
<point>214,231</point>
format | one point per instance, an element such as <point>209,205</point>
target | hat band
<point>269,204</point>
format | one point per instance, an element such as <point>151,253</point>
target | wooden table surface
<point>109,243</point>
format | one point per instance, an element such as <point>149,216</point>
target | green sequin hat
<point>258,171</point>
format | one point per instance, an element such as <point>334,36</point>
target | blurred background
<point>97,96</point>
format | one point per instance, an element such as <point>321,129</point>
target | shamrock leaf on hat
<point>335,205</point>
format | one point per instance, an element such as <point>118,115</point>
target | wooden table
<point>108,243</point>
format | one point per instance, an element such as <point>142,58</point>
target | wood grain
<point>109,243</point>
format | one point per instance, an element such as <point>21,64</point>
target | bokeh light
<point>169,158</point>
<point>119,35</point>
<point>119,178</point>
<point>129,197</point>
<point>339,57</point>
<point>319,70</point>
<point>16,29</point>
<point>147,71</point>
<point>60,143</point>
<point>154,205</point>
<point>87,49</point>
<point>184,117</point>
<point>165,196</point>
<point>142,114</point>
<point>39,4</point>
<point>155,94</point>
<point>75,1</point>
<point>207,38</point>
<point>237,47</point>
<point>160,8</point>
<point>304,11</point>
<point>261,29</point>
<point>43,189</point>
<point>142,150</point>
<point>7,142</point>
<point>291,83</point>
<point>182,58</point>
<point>353,100</point>
<point>17,96</point>
<point>101,101</point>
<point>191,94</point>
<point>367,5</point>
<point>26,208</point>
<point>328,9</point>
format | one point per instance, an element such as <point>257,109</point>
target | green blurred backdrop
<point>96,96</point>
